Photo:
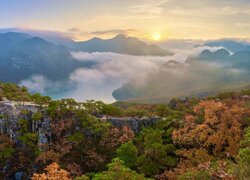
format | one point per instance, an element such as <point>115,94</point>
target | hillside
<point>49,134</point>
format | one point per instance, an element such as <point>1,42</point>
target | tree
<point>37,116</point>
<point>46,158</point>
<point>111,110</point>
<point>210,132</point>
<point>156,156</point>
<point>53,172</point>
<point>163,110</point>
<point>127,152</point>
<point>244,156</point>
<point>215,126</point>
<point>117,171</point>
<point>6,151</point>
<point>40,100</point>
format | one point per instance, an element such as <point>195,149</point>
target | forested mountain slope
<point>191,138</point>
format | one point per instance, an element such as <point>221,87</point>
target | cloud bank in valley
<point>110,72</point>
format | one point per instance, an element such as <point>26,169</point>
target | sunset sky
<point>154,20</point>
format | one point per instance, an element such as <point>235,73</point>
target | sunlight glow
<point>156,37</point>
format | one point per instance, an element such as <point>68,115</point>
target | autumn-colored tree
<point>6,152</point>
<point>213,130</point>
<point>53,172</point>
<point>117,136</point>
<point>214,126</point>
<point>47,157</point>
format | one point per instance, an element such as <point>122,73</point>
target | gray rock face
<point>136,124</point>
<point>10,115</point>
<point>12,112</point>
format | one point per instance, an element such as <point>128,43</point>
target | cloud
<point>37,83</point>
<point>74,30</point>
<point>185,80</point>
<point>114,32</point>
<point>153,8</point>
<point>41,84</point>
<point>112,70</point>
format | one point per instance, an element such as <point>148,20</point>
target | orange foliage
<point>53,173</point>
<point>214,126</point>
<point>48,157</point>
<point>117,137</point>
<point>74,169</point>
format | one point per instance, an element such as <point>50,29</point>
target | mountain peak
<point>37,41</point>
<point>120,36</point>
<point>95,39</point>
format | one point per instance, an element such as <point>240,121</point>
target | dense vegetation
<point>194,139</point>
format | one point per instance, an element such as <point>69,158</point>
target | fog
<point>112,70</point>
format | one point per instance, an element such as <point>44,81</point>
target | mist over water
<point>112,70</point>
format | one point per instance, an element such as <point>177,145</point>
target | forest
<point>193,138</point>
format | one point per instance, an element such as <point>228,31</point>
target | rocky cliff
<point>12,112</point>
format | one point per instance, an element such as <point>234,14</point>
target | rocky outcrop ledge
<point>12,112</point>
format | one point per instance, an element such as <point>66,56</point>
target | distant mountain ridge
<point>232,45</point>
<point>119,44</point>
<point>122,45</point>
<point>240,59</point>
<point>23,56</point>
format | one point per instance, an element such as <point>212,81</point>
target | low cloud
<point>112,70</point>
<point>74,30</point>
<point>114,32</point>
<point>37,83</point>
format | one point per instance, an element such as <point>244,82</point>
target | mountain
<point>25,56</point>
<point>121,44</point>
<point>240,59</point>
<point>11,39</point>
<point>219,54</point>
<point>57,38</point>
<point>206,74</point>
<point>229,44</point>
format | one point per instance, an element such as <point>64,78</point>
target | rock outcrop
<point>136,124</point>
<point>12,112</point>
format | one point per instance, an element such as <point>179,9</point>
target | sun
<point>156,37</point>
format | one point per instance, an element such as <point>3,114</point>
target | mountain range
<point>233,45</point>
<point>240,59</point>
<point>122,45</point>
<point>202,75</point>
<point>23,55</point>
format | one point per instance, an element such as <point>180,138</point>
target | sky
<point>154,20</point>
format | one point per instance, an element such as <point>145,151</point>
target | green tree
<point>156,156</point>
<point>111,110</point>
<point>37,116</point>
<point>6,152</point>
<point>244,156</point>
<point>40,100</point>
<point>127,152</point>
<point>117,171</point>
